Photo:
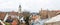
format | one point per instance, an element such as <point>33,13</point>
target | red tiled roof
<point>13,13</point>
<point>2,15</point>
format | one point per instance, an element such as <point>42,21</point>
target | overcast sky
<point>30,5</point>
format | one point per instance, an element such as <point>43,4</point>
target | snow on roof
<point>53,19</point>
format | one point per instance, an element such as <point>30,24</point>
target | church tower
<point>19,10</point>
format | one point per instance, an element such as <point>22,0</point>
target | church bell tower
<point>19,10</point>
